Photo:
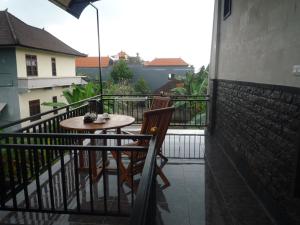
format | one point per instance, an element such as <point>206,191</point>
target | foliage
<point>141,87</point>
<point>76,93</point>
<point>194,84</point>
<point>121,72</point>
<point>119,88</point>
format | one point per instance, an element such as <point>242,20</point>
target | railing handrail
<point>79,135</point>
<point>141,205</point>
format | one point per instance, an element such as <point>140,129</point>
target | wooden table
<point>115,121</point>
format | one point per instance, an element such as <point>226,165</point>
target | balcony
<point>42,183</point>
<point>47,82</point>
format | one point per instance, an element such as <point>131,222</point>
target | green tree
<point>121,71</point>
<point>141,87</point>
<point>194,84</point>
<point>76,93</point>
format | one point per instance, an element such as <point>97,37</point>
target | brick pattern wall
<point>259,125</point>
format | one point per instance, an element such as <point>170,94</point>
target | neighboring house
<point>255,89</point>
<point>156,73</point>
<point>160,71</point>
<point>35,67</point>
<point>167,87</point>
<point>89,67</point>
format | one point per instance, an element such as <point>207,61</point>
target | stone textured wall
<point>258,126</point>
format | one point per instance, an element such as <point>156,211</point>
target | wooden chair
<point>157,121</point>
<point>159,102</point>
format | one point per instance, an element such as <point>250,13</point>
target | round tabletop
<point>114,121</point>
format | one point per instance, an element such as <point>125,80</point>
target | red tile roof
<point>167,62</point>
<point>92,62</point>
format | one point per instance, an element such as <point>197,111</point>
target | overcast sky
<point>153,28</point>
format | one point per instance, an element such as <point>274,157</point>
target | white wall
<point>65,64</point>
<point>258,42</point>
<point>44,95</point>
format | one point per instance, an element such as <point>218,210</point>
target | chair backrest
<point>158,119</point>
<point>160,102</point>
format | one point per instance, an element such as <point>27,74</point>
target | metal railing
<point>63,187</point>
<point>190,111</point>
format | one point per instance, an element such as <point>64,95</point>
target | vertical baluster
<point>37,176</point>
<point>91,181</point>
<point>49,168</point>
<point>118,181</point>
<point>104,160</point>
<point>24,174</point>
<point>11,175</point>
<point>76,179</point>
<point>195,111</point>
<point>63,180</point>
<point>190,110</point>
<point>2,178</point>
<point>132,176</point>
<point>17,161</point>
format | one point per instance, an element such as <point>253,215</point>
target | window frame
<point>31,70</point>
<point>34,109</point>
<point>53,67</point>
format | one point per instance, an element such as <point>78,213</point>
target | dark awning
<point>74,7</point>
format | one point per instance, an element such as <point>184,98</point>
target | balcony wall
<point>258,126</point>
<point>39,82</point>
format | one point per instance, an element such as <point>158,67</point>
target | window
<point>31,65</point>
<point>54,100</point>
<point>172,76</point>
<point>227,8</point>
<point>34,109</point>
<point>53,64</point>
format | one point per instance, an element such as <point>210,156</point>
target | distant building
<point>160,71</point>
<point>35,67</point>
<point>156,73</point>
<point>89,67</point>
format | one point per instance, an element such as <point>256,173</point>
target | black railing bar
<point>40,121</point>
<point>74,135</point>
<point>77,186</point>
<point>141,206</point>
<point>152,95</point>
<point>90,177</point>
<point>45,113</point>
<point>69,211</point>
<point>77,147</point>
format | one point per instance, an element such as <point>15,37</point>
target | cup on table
<point>105,115</point>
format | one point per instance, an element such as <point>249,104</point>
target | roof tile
<point>92,62</point>
<point>167,62</point>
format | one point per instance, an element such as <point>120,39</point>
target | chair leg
<point>164,158</point>
<point>162,176</point>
